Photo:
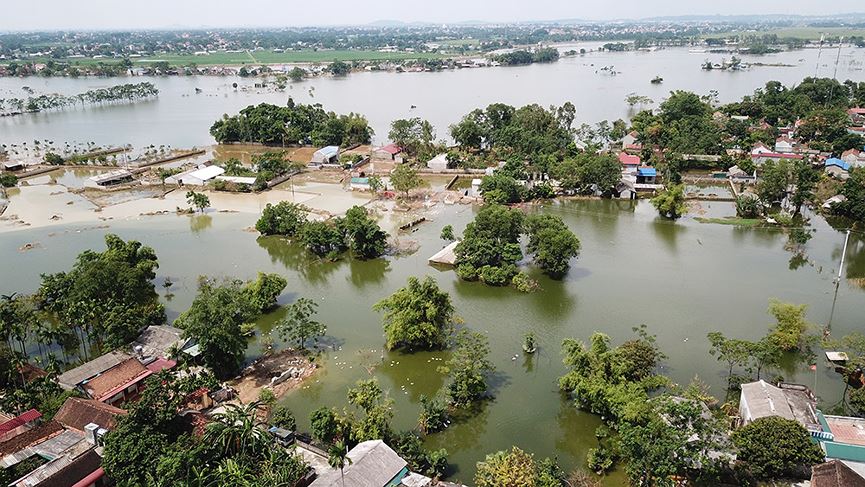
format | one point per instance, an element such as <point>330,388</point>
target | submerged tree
<point>418,316</point>
<point>298,325</point>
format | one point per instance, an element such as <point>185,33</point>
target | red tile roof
<point>392,149</point>
<point>856,111</point>
<point>77,413</point>
<point>774,155</point>
<point>31,437</point>
<point>117,378</point>
<point>629,160</point>
<point>161,364</point>
<point>21,420</point>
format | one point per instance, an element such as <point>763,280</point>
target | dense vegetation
<point>292,124</point>
<point>119,93</point>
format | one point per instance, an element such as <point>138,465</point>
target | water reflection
<point>668,233</point>
<point>295,257</point>
<point>365,272</point>
<point>199,223</point>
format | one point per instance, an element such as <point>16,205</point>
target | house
<point>853,157</point>
<point>789,401</point>
<point>326,156</point>
<point>857,116</point>
<point>784,145</point>
<point>112,178</point>
<point>629,162</point>
<point>736,174</point>
<point>438,163</point>
<point>373,464</point>
<point>359,184</point>
<point>13,166</point>
<point>445,256</point>
<point>837,168</point>
<point>835,473</point>
<point>839,198</point>
<point>646,175</point>
<point>196,177</point>
<point>390,152</point>
<point>19,424</point>
<point>124,381</point>
<point>247,180</point>
<point>630,139</point>
<point>76,413</point>
<point>73,378</point>
<point>158,341</point>
<point>761,154</point>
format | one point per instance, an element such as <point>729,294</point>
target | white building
<point>196,177</point>
<point>438,163</point>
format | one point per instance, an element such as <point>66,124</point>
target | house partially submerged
<point>196,177</point>
<point>445,256</point>
<point>438,163</point>
<point>112,178</point>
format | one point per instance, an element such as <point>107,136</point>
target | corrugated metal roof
<point>31,415</point>
<point>647,171</point>
<point>373,464</point>
<point>72,378</point>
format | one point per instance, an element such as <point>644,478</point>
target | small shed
<point>359,184</point>
<point>326,155</point>
<point>111,178</point>
<point>438,163</point>
<point>646,175</point>
<point>476,187</point>
<point>13,166</point>
<point>390,152</point>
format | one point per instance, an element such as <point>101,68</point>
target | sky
<point>153,14</point>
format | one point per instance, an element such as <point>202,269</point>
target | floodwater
<point>181,118</point>
<point>681,279</point>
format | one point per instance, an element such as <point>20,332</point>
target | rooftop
<point>834,161</point>
<point>206,173</point>
<point>155,341</point>
<point>72,378</point>
<point>116,379</point>
<point>392,149</point>
<point>835,473</point>
<point>27,417</point>
<point>445,256</point>
<point>76,413</point>
<point>31,437</point>
<point>789,401</point>
<point>373,464</point>
<point>847,430</point>
<point>629,160</point>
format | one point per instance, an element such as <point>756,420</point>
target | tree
<point>323,238</point>
<point>414,135</point>
<point>237,431</point>
<point>468,369</point>
<point>774,447</point>
<point>419,315</point>
<point>748,206</point>
<point>281,417</point>
<point>447,233</point>
<point>375,184</point>
<point>215,319</point>
<point>325,425</point>
<point>284,218</point>
<point>501,189</point>
<point>670,202</point>
<point>765,353</point>
<point>732,351</point>
<point>434,414</point>
<point>790,324</point>
<point>298,325</point>
<point>363,236</point>
<point>404,178</point>
<point>337,457</point>
<point>775,179</point>
<point>8,180</point>
<point>511,469</point>
<point>198,200</point>
<point>339,68</point>
<point>264,291</point>
<point>296,74</point>
<point>854,190</point>
<point>552,243</point>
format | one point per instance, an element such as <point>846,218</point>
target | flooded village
<point>607,265</point>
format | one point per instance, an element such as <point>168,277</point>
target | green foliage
<point>518,468</point>
<point>587,171</point>
<point>418,316</point>
<point>524,283</point>
<point>790,326</point>
<point>107,297</point>
<point>378,408</point>
<point>670,202</point>
<point>447,233</point>
<point>414,135</point>
<point>281,417</point>
<point>734,352</point>
<point>468,369</point>
<point>497,275</point>
<point>339,68</point>
<point>298,325</point>
<point>552,243</point>
<point>325,425</point>
<point>215,319</point>
<point>492,239</point>
<point>433,415</point>
<point>501,189</point>
<point>404,179</point>
<point>284,218</point>
<point>8,180</point>
<point>363,236</point>
<point>774,447</point>
<point>410,447</point>
<point>854,190</point>
<point>856,400</point>
<point>748,206</point>
<point>53,158</point>
<point>775,178</point>
<point>612,382</point>
<point>264,290</point>
<point>292,124</point>
<point>322,238</point>
<point>197,200</point>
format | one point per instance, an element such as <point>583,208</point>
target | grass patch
<point>732,220</point>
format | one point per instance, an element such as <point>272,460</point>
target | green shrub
<point>467,272</point>
<point>497,276</point>
<point>524,283</point>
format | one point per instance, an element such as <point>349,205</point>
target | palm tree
<point>237,431</point>
<point>337,457</point>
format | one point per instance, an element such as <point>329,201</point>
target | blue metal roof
<point>360,180</point>
<point>837,162</point>
<point>647,171</point>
